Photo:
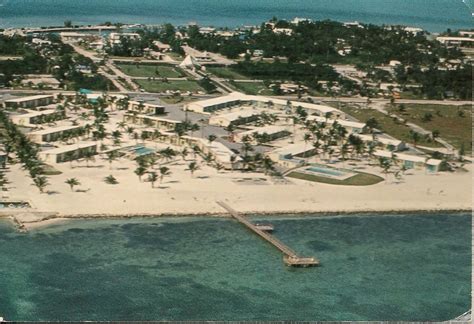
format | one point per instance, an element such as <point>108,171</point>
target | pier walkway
<point>291,258</point>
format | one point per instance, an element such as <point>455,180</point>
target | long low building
<point>351,126</point>
<point>221,153</point>
<point>411,161</point>
<point>36,117</point>
<point>271,133</point>
<point>153,121</point>
<point>386,143</point>
<point>236,99</point>
<point>29,102</point>
<point>235,118</point>
<point>53,133</point>
<point>145,108</point>
<point>68,152</point>
<point>292,155</point>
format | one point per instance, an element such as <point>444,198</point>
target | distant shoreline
<point>437,17</point>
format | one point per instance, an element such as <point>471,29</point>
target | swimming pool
<point>142,150</point>
<point>327,171</point>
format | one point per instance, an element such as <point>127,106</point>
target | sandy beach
<point>181,194</point>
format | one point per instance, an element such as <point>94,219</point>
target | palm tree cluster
<point>147,165</point>
<point>257,161</point>
<point>26,151</point>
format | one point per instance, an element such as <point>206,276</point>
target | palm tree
<point>72,182</point>
<point>196,150</point>
<point>268,165</point>
<point>110,180</point>
<point>164,171</point>
<point>184,153</point>
<point>140,171</point>
<point>219,167</point>
<point>111,157</point>
<point>211,138</point>
<point>41,183</point>
<point>116,135</point>
<point>192,167</point>
<point>152,177</point>
<point>89,156</point>
<point>122,125</point>
<point>306,138</point>
<point>415,137</point>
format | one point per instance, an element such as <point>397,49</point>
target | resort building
<point>36,117</point>
<point>411,161</point>
<point>292,155</point>
<point>220,153</point>
<point>351,126</point>
<point>152,121</point>
<point>145,108</point>
<point>267,133</point>
<point>29,102</point>
<point>53,134</point>
<point>77,37</point>
<point>162,47</point>
<point>235,118</point>
<point>115,38</point>
<point>386,143</point>
<point>68,152</point>
<point>236,99</point>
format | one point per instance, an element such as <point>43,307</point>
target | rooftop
<point>69,148</point>
<point>29,98</point>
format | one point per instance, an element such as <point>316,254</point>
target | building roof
<point>160,119</point>
<point>69,148</point>
<point>237,115</point>
<point>51,130</point>
<point>29,98</point>
<point>220,151</point>
<point>293,149</point>
<point>189,61</point>
<point>408,157</point>
<point>345,123</point>
<point>31,114</point>
<point>237,96</point>
<point>272,129</point>
<point>383,140</point>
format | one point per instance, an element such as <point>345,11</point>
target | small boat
<point>264,227</point>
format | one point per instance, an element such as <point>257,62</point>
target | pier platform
<point>290,257</point>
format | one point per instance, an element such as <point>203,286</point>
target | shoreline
<point>57,218</point>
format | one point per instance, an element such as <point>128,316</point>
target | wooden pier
<point>291,258</point>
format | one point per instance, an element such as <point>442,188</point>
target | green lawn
<point>159,86</point>
<point>360,179</point>
<point>445,118</point>
<point>252,88</point>
<point>226,73</point>
<point>151,70</point>
<point>387,125</point>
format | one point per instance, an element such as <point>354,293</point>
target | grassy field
<point>360,179</point>
<point>149,70</point>
<point>454,127</point>
<point>159,86</point>
<point>252,88</point>
<point>387,125</point>
<point>226,73</point>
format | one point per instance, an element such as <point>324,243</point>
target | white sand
<point>182,194</point>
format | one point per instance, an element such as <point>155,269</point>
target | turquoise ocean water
<point>413,267</point>
<point>434,15</point>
